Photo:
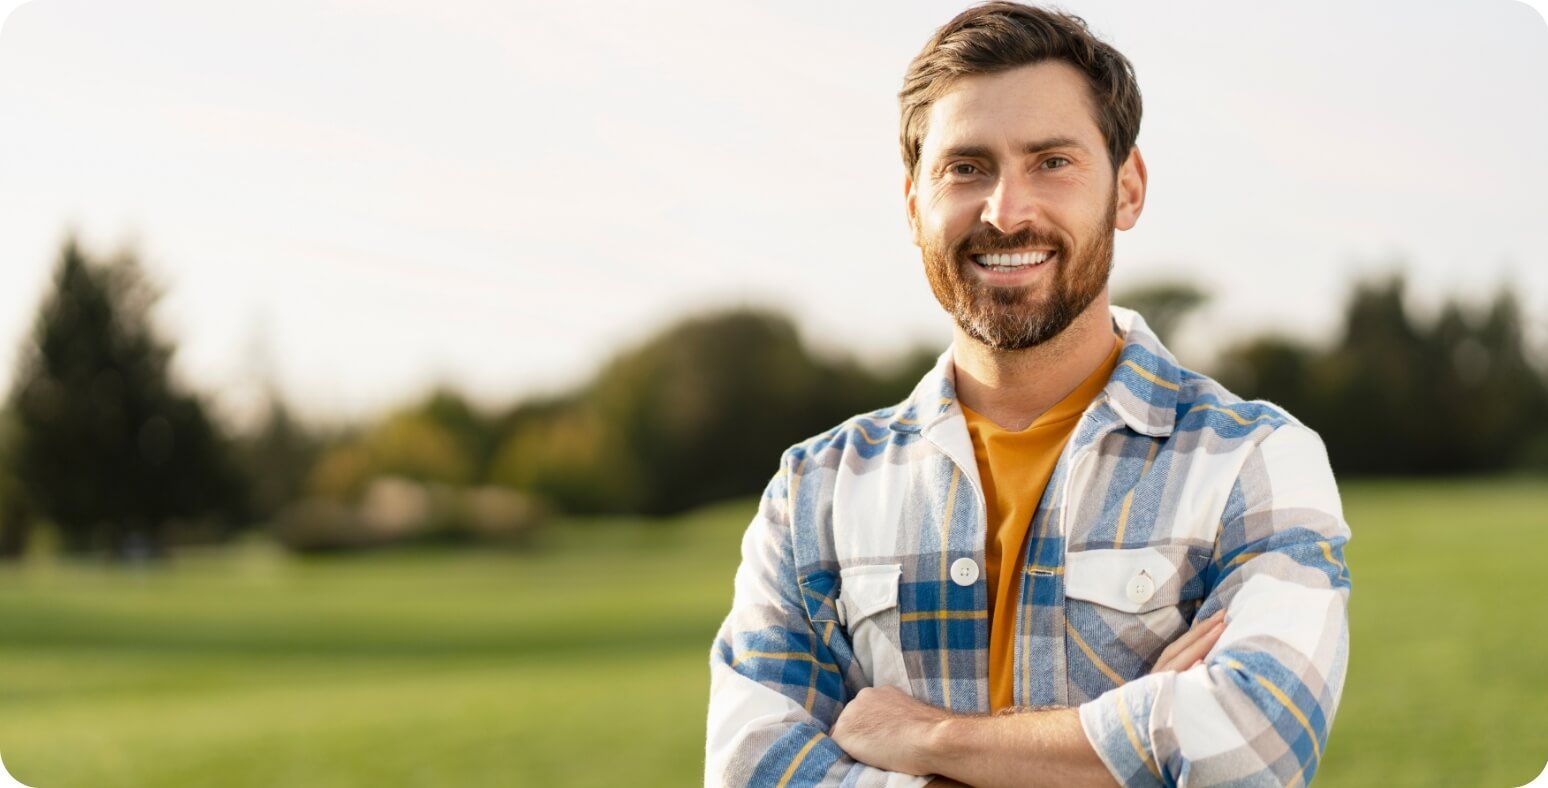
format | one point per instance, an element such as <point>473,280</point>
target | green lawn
<point>584,662</point>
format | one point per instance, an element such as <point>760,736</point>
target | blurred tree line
<point>700,412</point>
<point>1460,393</point>
<point>98,440</point>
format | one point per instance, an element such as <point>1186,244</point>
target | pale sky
<point>363,198</point>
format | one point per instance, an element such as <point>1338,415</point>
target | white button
<point>964,571</point>
<point>1141,588</point>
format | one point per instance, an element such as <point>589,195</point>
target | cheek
<point>951,199</point>
<point>947,219</point>
<point>1079,228</point>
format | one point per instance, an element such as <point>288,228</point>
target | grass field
<point>584,662</point>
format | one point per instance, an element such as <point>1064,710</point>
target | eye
<point>1055,158</point>
<point>962,169</point>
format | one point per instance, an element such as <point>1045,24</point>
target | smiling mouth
<point>1013,261</point>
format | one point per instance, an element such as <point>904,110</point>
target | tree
<point>697,412</point>
<point>15,519</point>
<point>1393,395</point>
<point>276,458</point>
<point>107,447</point>
<point>413,443</point>
<point>470,428</point>
<point>1163,304</point>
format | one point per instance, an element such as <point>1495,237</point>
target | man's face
<point>1014,204</point>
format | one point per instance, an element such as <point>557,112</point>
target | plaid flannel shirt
<point>1172,499</point>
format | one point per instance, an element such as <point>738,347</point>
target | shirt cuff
<point>863,776</point>
<point>1117,723</point>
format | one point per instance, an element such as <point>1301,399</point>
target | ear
<point>1131,190</point>
<point>911,203</point>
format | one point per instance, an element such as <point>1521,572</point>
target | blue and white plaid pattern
<point>1173,499</point>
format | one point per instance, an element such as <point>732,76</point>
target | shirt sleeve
<point>1259,708</point>
<point>777,681</point>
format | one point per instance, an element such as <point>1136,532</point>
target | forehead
<point>1046,99</point>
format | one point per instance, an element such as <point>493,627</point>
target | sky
<point>359,200</point>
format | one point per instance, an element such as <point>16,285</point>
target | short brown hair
<point>999,36</point>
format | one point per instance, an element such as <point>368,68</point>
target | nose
<point>1011,205</point>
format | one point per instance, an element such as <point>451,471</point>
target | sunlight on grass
<point>584,660</point>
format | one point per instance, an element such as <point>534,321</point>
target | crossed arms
<point>786,707</point>
<point>886,728</point>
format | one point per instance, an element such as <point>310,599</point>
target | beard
<point>1015,318</point>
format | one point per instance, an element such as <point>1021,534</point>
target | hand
<point>885,728</point>
<point>1189,650</point>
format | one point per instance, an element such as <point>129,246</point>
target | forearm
<point>888,728</point>
<point>1045,747</point>
<point>758,736</point>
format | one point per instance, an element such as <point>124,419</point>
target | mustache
<point>988,240</point>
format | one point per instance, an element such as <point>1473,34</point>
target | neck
<point>1013,387</point>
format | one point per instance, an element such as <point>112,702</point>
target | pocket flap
<point>1134,580</point>
<point>868,590</point>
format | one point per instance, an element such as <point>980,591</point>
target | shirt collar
<point>1142,391</point>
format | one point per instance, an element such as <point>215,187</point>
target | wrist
<point>943,741</point>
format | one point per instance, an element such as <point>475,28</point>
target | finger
<point>1203,645</point>
<point>1193,634</point>
<point>1172,657</point>
<point>1177,645</point>
<point>1196,650</point>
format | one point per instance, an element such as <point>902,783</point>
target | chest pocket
<point>1122,607</point>
<point>868,609</point>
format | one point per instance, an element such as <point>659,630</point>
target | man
<point>1063,559</point>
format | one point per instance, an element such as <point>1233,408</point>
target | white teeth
<point>1010,261</point>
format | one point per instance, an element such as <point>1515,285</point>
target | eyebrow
<point>1037,146</point>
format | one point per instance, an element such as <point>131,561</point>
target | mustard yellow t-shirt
<point>1014,468</point>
